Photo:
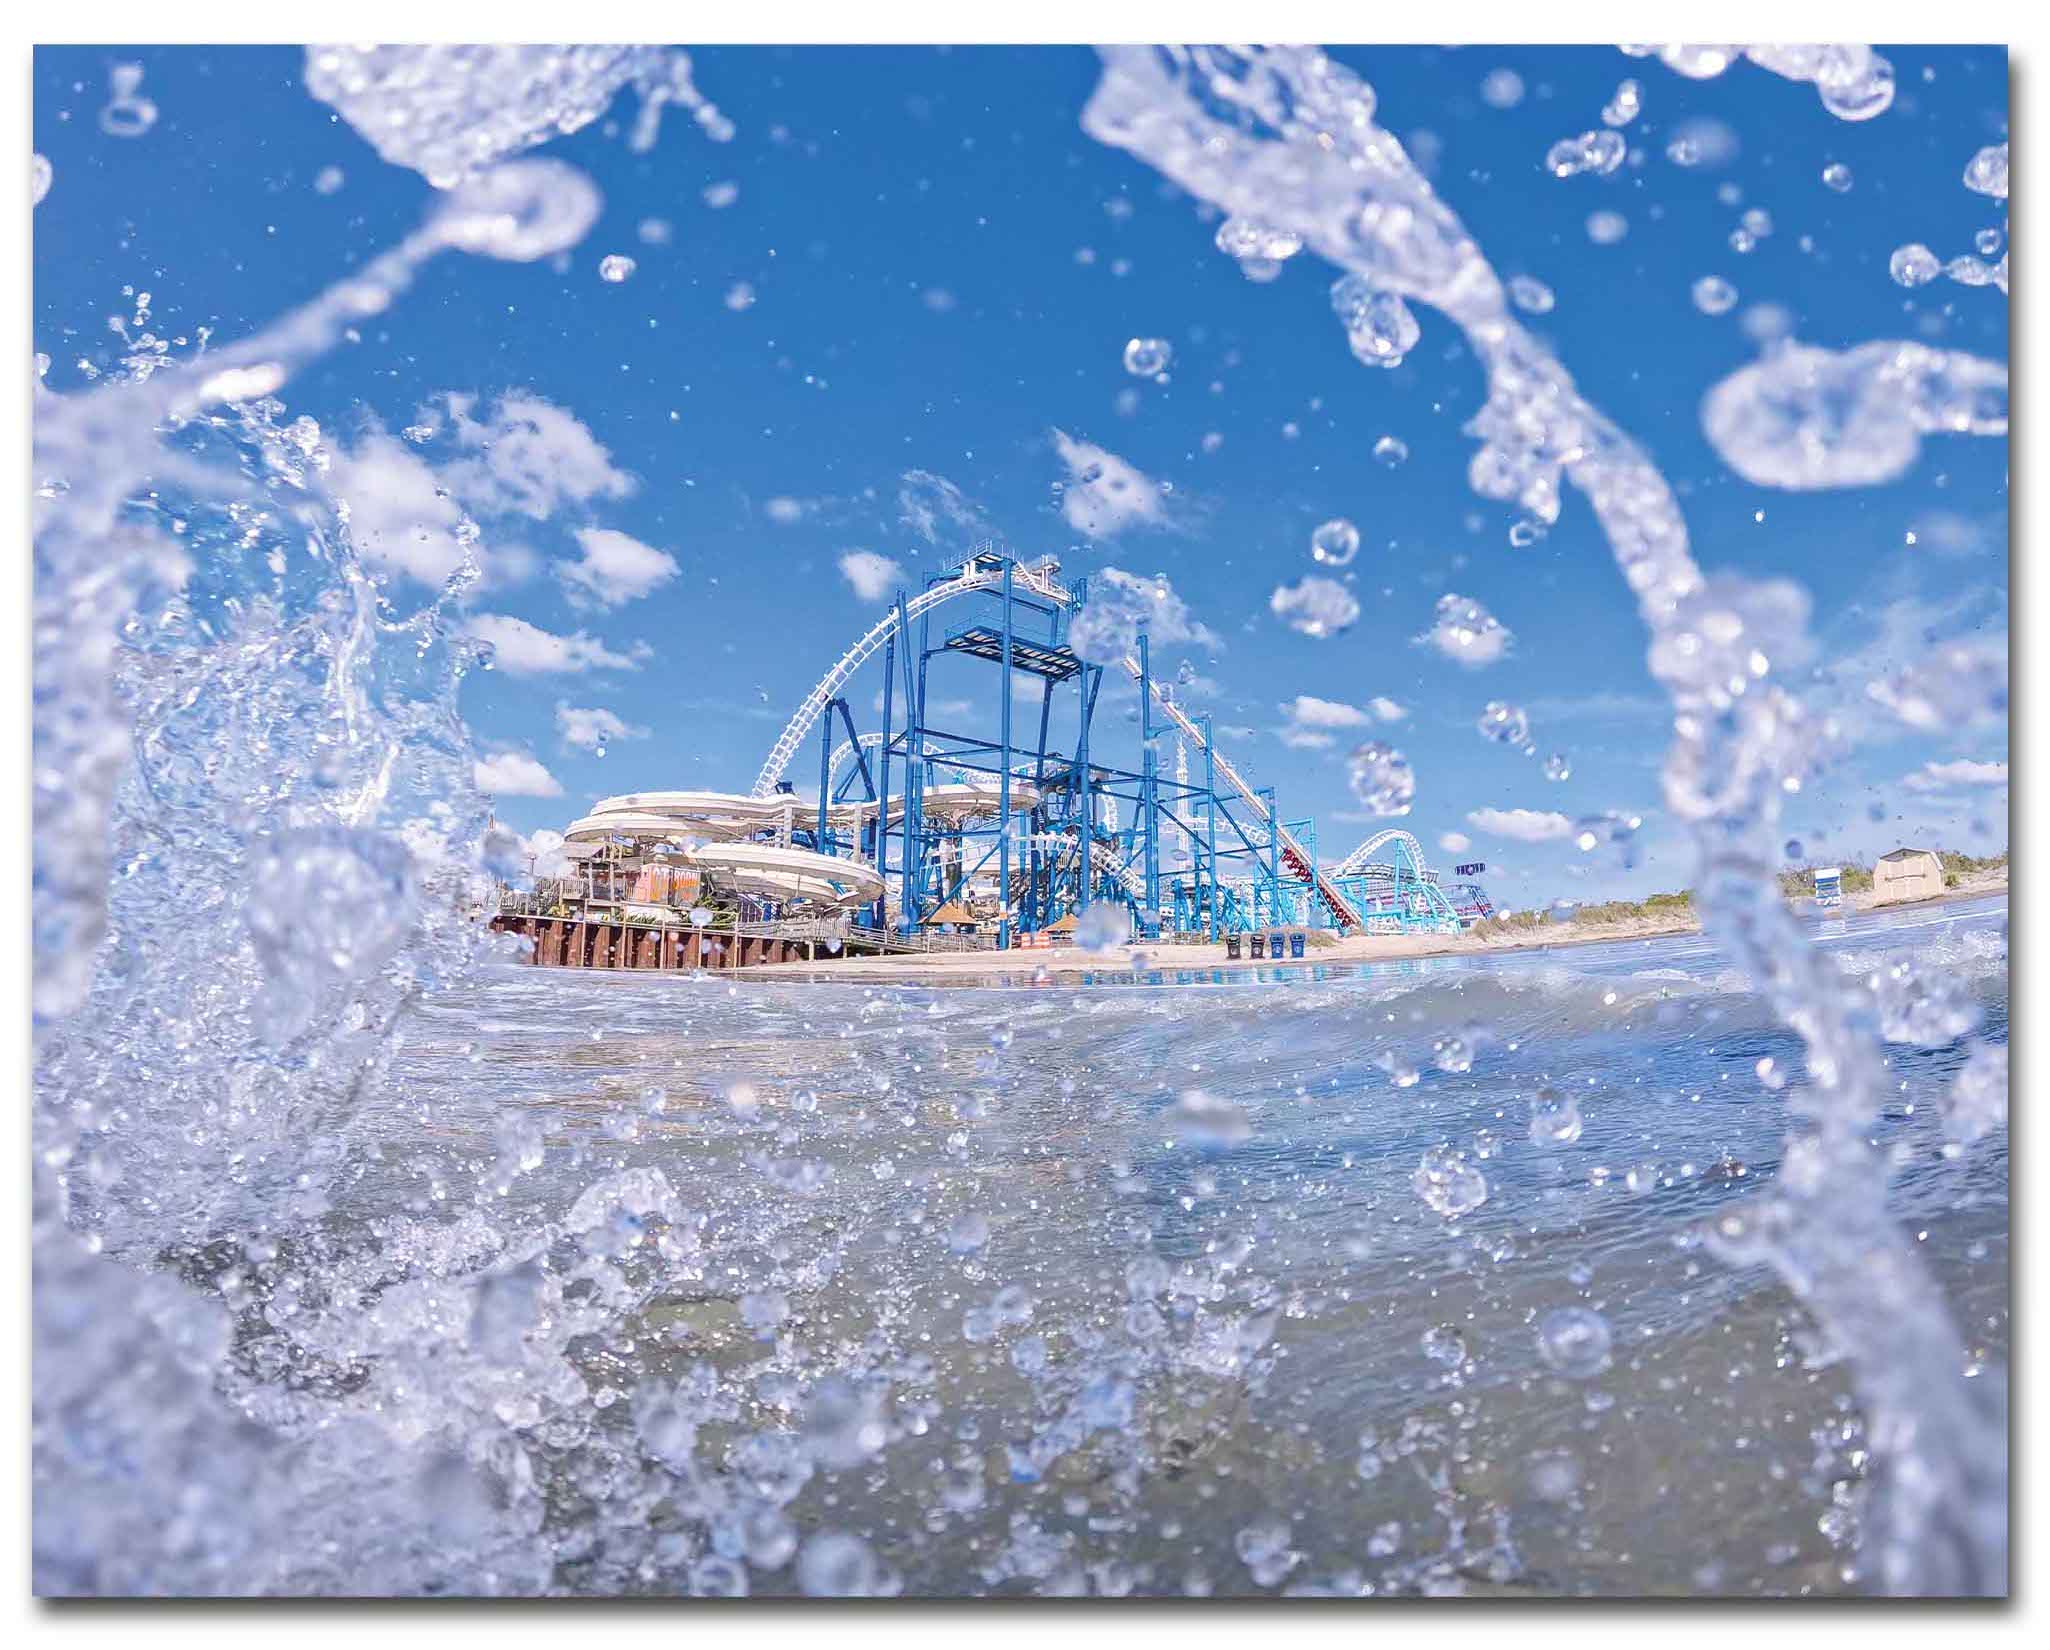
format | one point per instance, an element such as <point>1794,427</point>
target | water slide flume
<point>709,831</point>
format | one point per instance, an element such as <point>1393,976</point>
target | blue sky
<point>887,318</point>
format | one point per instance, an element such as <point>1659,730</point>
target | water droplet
<point>835,1564</point>
<point>1599,152</point>
<point>1574,1341</point>
<point>1531,295</point>
<point>1605,228</point>
<point>1554,1476</point>
<point>1315,607</point>
<point>1251,241</point>
<point>1148,357</point>
<point>1922,1004</point>
<point>40,174</point>
<point>615,268</point>
<point>1504,723</point>
<point>1625,106</point>
<point>1976,1103</point>
<point>740,296</point>
<point>1914,265</point>
<point>1381,778</point>
<point>1448,1183</point>
<point>1557,767</point>
<point>1208,1122</point>
<point>1554,1118</point>
<point>1714,296</point>
<point>1391,451</point>
<point>720,195</point>
<point>1337,541</point>
<point>1986,172</point>
<point>1378,325</point>
<point>1502,89</point>
<point>128,114</point>
<point>1467,632</point>
<point>1837,176</point>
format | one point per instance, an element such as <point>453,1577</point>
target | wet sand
<point>1358,948</point>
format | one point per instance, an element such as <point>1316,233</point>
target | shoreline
<point>1359,948</point>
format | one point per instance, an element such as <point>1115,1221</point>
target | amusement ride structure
<point>1020,830</point>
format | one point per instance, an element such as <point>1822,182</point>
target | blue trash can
<point>1277,946</point>
<point>1295,945</point>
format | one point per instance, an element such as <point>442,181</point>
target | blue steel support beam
<point>1004,781</point>
<point>1210,815</point>
<point>910,868</point>
<point>825,772</point>
<point>882,825</point>
<point>1149,919</point>
<point>1266,794</point>
<point>1085,701</point>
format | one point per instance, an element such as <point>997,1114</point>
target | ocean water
<point>1130,1286</point>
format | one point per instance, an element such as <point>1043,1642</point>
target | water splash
<point>1854,82</point>
<point>1292,134</point>
<point>1806,418</point>
<point>449,112</point>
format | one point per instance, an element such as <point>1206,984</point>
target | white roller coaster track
<point>1361,857</point>
<point>1041,582</point>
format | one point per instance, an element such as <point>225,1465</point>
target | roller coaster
<point>1020,831</point>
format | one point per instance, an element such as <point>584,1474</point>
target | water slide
<point>708,830</point>
<point>711,830</point>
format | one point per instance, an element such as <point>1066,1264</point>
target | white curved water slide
<point>681,820</point>
<point>1041,582</point>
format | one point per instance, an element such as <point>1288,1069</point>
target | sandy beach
<point>1356,948</point>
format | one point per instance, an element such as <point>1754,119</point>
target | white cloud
<point>1466,632</point>
<point>1306,710</point>
<point>1387,709</point>
<point>400,518</point>
<point>1304,739</point>
<point>1104,494</point>
<point>530,457</point>
<point>1944,776</point>
<point>613,569</point>
<point>783,510</point>
<point>871,575</point>
<point>1520,824</point>
<point>544,851</point>
<point>926,503</point>
<point>522,649</point>
<point>586,727</point>
<point>515,773</point>
<point>1122,604</point>
<point>1455,842</point>
<point>1952,534</point>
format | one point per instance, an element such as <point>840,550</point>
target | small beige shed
<point>1906,874</point>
